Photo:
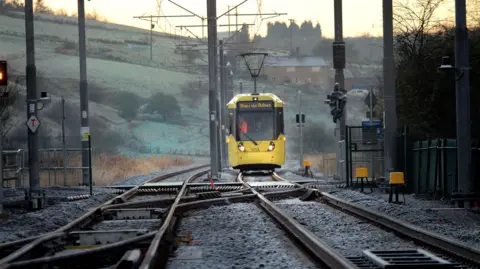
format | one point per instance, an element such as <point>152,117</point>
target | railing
<point>13,171</point>
<point>63,167</point>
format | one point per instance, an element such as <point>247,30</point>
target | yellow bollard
<point>396,182</point>
<point>361,173</point>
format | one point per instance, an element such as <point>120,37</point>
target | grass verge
<point>107,169</point>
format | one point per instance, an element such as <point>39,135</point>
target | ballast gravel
<point>23,225</point>
<point>235,236</point>
<point>458,224</point>
<point>345,233</point>
<point>60,211</point>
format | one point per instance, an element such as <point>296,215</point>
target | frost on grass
<point>20,226</point>
<point>236,236</point>
<point>457,224</point>
<point>347,234</point>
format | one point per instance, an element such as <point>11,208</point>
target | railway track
<point>96,227</point>
<point>430,250</point>
<point>155,249</point>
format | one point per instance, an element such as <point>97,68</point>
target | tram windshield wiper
<point>255,143</point>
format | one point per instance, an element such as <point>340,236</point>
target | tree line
<point>426,96</point>
<point>281,29</point>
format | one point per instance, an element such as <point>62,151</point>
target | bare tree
<point>413,20</point>
<point>41,7</point>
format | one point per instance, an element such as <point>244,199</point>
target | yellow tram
<point>256,139</point>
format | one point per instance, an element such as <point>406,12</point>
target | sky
<point>359,16</point>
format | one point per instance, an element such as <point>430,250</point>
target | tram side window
<point>255,126</point>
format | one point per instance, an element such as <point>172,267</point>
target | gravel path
<point>347,234</point>
<point>23,225</point>
<point>235,236</point>
<point>455,223</point>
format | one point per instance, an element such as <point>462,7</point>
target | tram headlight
<point>241,147</point>
<point>271,147</point>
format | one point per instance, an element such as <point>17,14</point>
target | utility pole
<point>236,23</point>
<point>212,77</point>
<point>291,35</point>
<point>64,144</point>
<point>300,124</point>
<point>389,96</point>
<point>151,38</point>
<point>223,102</point>
<point>85,129</point>
<point>370,101</point>
<point>339,65</point>
<point>465,184</point>
<point>241,87</point>
<point>229,32</point>
<point>1,165</point>
<point>31,70</point>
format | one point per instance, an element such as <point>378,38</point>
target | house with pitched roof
<point>299,70</point>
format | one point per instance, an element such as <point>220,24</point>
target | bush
<point>164,104</point>
<point>194,91</point>
<point>127,103</point>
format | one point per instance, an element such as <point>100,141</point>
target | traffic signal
<point>337,101</point>
<point>297,118</point>
<point>3,73</point>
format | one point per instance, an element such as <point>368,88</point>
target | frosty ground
<point>60,211</point>
<point>435,216</point>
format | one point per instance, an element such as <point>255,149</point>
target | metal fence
<point>430,166</point>
<point>364,150</point>
<point>63,167</point>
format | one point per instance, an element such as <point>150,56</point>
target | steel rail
<point>315,245</point>
<point>28,244</point>
<point>104,250</point>
<point>152,252</point>
<point>448,245</point>
<point>423,236</point>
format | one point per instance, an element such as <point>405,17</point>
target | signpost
<point>33,123</point>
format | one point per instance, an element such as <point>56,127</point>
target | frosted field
<point>141,80</point>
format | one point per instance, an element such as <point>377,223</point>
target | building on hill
<point>297,70</point>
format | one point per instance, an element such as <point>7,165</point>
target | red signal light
<point>3,73</point>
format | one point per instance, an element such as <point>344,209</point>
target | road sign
<point>85,132</point>
<point>33,123</point>
<point>374,99</point>
<point>375,123</point>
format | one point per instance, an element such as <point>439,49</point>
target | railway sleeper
<point>89,239</point>
<point>133,213</point>
<point>209,195</point>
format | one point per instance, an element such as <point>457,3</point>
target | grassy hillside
<point>118,74</point>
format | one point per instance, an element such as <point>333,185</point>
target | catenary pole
<point>84,114</point>
<point>212,79</point>
<point>390,104</point>
<point>34,172</point>
<point>339,78</point>
<point>465,184</point>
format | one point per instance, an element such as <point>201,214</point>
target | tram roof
<point>258,96</point>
